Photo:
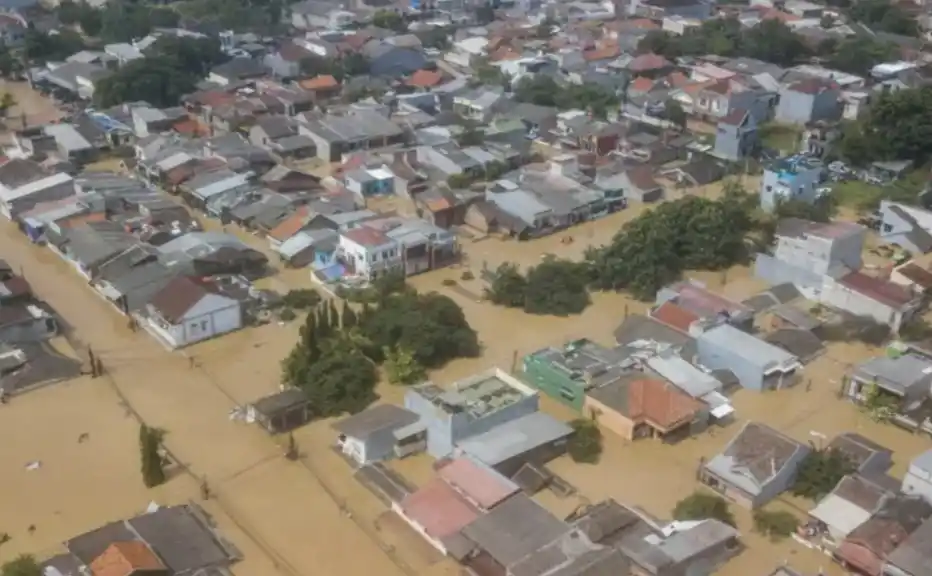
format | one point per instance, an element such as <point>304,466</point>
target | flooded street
<point>309,517</point>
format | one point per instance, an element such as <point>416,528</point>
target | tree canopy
<point>123,21</point>
<point>898,126</point>
<point>23,565</point>
<point>264,16</point>
<point>777,524</point>
<point>689,233</point>
<point>702,506</point>
<point>156,80</point>
<point>556,287</point>
<point>150,441</point>
<point>40,47</point>
<point>543,90</point>
<point>884,16</point>
<point>820,472</point>
<point>770,41</point>
<point>390,20</point>
<point>508,287</point>
<point>194,56</point>
<point>585,446</point>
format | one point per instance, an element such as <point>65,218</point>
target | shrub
<point>701,506</point>
<point>778,524</point>
<point>585,446</point>
<point>287,315</point>
<point>467,275</point>
<point>150,440</point>
<point>301,298</point>
<point>448,282</point>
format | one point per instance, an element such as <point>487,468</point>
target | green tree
<point>401,367</point>
<point>341,380</point>
<point>23,565</point>
<point>7,101</point>
<point>585,445</point>
<point>389,20</point>
<point>879,405</point>
<point>777,524</point>
<point>858,55</point>
<point>702,506</point>
<point>690,233</point>
<point>461,180</point>
<point>193,56</point>
<point>820,472</point>
<point>673,111</point>
<point>884,16</point>
<point>438,38</point>
<point>40,47</point>
<point>556,287</point>
<point>150,441</point>
<point>898,126</point>
<point>122,21</point>
<point>348,318</point>
<point>156,80</point>
<point>508,287</point>
<point>470,136</point>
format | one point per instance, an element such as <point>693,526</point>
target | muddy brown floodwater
<point>310,517</point>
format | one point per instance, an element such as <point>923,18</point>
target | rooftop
<point>885,292</point>
<point>477,482</point>
<point>438,509</point>
<point>649,400</point>
<point>763,354</point>
<point>125,559</point>
<point>478,395</point>
<point>795,164</point>
<point>898,374</point>
<point>515,437</point>
<point>376,419</point>
<point>584,361</point>
<point>754,457</point>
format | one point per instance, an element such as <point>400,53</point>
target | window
<point>204,325</point>
<point>567,394</point>
<point>888,227</point>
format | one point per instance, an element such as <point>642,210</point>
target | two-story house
<point>806,252</point>
<point>906,226</point>
<point>359,129</point>
<point>369,253</point>
<point>736,135</point>
<point>479,105</point>
<point>469,407</point>
<point>795,177</point>
<point>716,99</point>
<point>809,100</point>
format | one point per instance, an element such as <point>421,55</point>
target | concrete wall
<point>840,296</point>
<point>608,418</point>
<point>802,185</point>
<point>213,316</point>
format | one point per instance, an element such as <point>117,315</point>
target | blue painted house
<point>795,177</point>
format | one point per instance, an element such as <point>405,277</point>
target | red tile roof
<point>674,316</point>
<point>322,82</point>
<point>125,558</point>
<point>812,85</point>
<point>702,301</point>
<point>660,403</point>
<point>481,486</point>
<point>647,62</point>
<point>438,509</point>
<point>642,84</point>
<point>425,79</point>
<point>366,236</point>
<point>290,225</point>
<point>604,53</point>
<point>734,118</point>
<point>880,290</point>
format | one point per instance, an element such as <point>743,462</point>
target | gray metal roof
<point>201,244</point>
<point>751,348</point>
<point>923,461</point>
<point>94,242</point>
<point>182,540</point>
<point>914,556</point>
<point>515,438</point>
<point>68,137</point>
<point>661,551</point>
<point>514,529</point>
<point>898,375</point>
<point>384,417</point>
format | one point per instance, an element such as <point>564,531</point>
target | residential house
<point>359,129</point>
<point>806,252</point>
<point>72,80</point>
<point>869,458</point>
<point>438,513</point>
<point>321,87</point>
<point>566,374</point>
<point>918,478</point>
<point>369,253</point>
<point>236,70</point>
<point>367,181</point>
<point>660,9</point>
<point>479,104</point>
<point>736,135</point>
<point>286,61</point>
<point>698,302</point>
<point>637,406</point>
<point>638,183</point>
<point>906,226</point>
<point>128,559</point>
<point>189,310</point>
<point>913,277</point>
<point>511,532</point>
<point>809,100</point>
<point>282,411</point>
<point>467,51</point>
<point>388,60</point>
<point>725,93</point>
<point>757,364</point>
<point>756,466</point>
<point>469,407</point>
<point>680,548</point>
<point>851,503</point>
<point>376,433</point>
<point>650,65</point>
<point>27,321</point>
<point>63,141</point>
<point>130,279</point>
<point>320,14</point>
<point>867,547</point>
<point>90,245</point>
<point>18,199</point>
<point>424,246</point>
<point>148,120</point>
<point>905,379</point>
<point>912,557</point>
<point>530,440</point>
<point>875,298</point>
<point>795,177</point>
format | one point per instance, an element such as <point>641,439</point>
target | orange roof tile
<point>659,403</point>
<point>504,53</point>
<point>125,558</point>
<point>642,84</point>
<point>603,53</point>
<point>678,79</point>
<point>674,316</point>
<point>290,225</point>
<point>425,78</point>
<point>322,82</point>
